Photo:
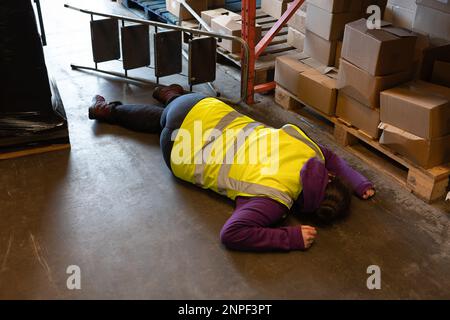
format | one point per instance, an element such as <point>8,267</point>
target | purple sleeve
<point>248,229</point>
<point>340,168</point>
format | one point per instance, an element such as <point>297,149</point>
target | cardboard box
<point>313,88</point>
<point>337,6</point>
<point>407,4</point>
<point>319,91</point>
<point>178,10</point>
<point>337,59</point>
<point>329,26</point>
<point>425,153</point>
<point>357,114</point>
<point>362,86</point>
<point>422,45</point>
<point>441,73</point>
<point>400,16</point>
<point>320,49</point>
<point>418,107</point>
<point>295,39</point>
<point>231,25</point>
<point>274,8</point>
<point>379,52</point>
<point>430,56</point>
<point>208,15</point>
<point>298,20</point>
<point>432,22</point>
<point>287,72</point>
<point>441,5</point>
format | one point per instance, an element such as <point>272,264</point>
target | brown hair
<point>336,203</point>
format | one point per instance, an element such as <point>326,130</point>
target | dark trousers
<point>156,119</point>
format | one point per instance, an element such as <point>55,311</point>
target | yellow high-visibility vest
<point>220,149</point>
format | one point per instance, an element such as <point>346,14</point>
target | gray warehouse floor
<point>111,207</point>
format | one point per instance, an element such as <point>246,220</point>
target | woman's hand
<point>309,234</point>
<point>369,193</point>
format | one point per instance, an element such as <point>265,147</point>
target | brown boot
<point>166,94</point>
<point>101,110</point>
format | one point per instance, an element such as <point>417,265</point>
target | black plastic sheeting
<point>25,123</point>
<point>26,107</point>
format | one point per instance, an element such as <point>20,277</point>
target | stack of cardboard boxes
<point>311,76</point>
<point>374,89</point>
<point>372,61</point>
<point>274,8</point>
<point>308,75</point>
<point>401,13</point>
<point>415,117</point>
<point>326,20</point>
<point>318,26</point>
<point>314,88</point>
<point>416,122</point>
<point>433,18</point>
<point>325,24</point>
<point>297,28</point>
<point>436,65</point>
<point>441,73</point>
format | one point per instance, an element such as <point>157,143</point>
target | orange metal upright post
<point>249,35</point>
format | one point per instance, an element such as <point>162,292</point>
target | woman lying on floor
<point>288,168</point>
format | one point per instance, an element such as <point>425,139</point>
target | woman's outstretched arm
<point>248,229</point>
<point>339,167</point>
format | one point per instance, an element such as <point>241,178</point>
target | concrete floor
<point>110,206</point>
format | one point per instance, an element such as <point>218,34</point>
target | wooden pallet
<point>427,184</point>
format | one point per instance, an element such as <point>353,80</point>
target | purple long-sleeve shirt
<point>250,226</point>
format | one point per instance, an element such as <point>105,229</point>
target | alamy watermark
<point>374,20</point>
<point>74,280</point>
<point>374,280</point>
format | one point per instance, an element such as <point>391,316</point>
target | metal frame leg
<point>41,22</point>
<point>199,32</point>
<point>249,35</point>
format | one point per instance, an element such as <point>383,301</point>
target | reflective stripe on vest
<point>223,123</point>
<point>222,182</point>
<point>289,129</point>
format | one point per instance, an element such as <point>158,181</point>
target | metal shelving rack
<point>155,9</point>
